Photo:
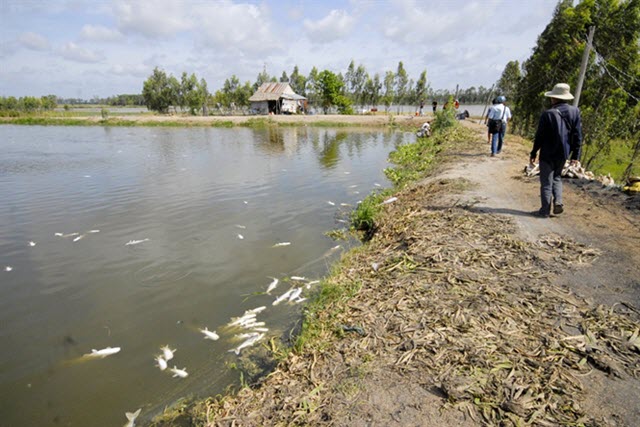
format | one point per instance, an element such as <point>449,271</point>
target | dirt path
<point>464,309</point>
<point>594,216</point>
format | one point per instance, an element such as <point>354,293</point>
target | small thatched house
<point>276,98</point>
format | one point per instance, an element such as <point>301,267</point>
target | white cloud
<point>99,33</point>
<point>73,52</point>
<point>336,25</point>
<point>244,28</point>
<point>33,41</point>
<point>152,18</point>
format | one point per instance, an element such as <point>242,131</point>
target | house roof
<point>271,91</point>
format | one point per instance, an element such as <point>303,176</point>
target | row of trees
<point>28,103</point>
<point>609,102</point>
<point>324,90</point>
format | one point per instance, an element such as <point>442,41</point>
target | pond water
<point>205,208</point>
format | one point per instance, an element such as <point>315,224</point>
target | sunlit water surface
<point>191,192</point>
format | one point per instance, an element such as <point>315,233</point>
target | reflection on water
<point>185,195</point>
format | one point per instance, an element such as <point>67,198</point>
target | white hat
<point>560,91</point>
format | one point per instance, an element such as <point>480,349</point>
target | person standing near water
<point>558,138</point>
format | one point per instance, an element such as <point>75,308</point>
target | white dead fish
<point>272,285</point>
<point>87,176</point>
<point>282,297</point>
<point>182,373</point>
<point>245,202</point>
<point>235,321</point>
<point>32,243</point>
<point>103,353</point>
<point>261,329</point>
<point>245,335</point>
<point>353,186</point>
<point>255,310</point>
<point>131,416</point>
<point>209,335</point>
<point>377,185</point>
<point>345,204</point>
<point>249,342</point>
<point>135,242</point>
<point>162,364</point>
<point>79,237</point>
<point>240,236</point>
<point>58,234</point>
<point>299,300</point>
<point>240,226</point>
<point>70,235</point>
<point>298,278</point>
<point>390,200</point>
<point>277,245</point>
<point>331,203</point>
<point>8,268</point>
<point>347,173</point>
<point>295,294</point>
<point>94,231</point>
<point>168,353</point>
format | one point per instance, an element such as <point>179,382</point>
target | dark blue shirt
<point>559,134</point>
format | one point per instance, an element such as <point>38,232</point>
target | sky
<point>101,48</point>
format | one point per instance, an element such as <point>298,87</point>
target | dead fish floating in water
<point>131,417</point>
<point>80,237</point>
<point>240,236</point>
<point>8,268</point>
<point>162,364</point>
<point>32,243</point>
<point>58,234</point>
<point>167,352</point>
<point>94,231</point>
<point>278,245</point>
<point>331,203</point>
<point>209,335</point>
<point>295,294</point>
<point>248,343</point>
<point>136,242</point>
<point>272,285</point>
<point>182,373</point>
<point>255,310</point>
<point>103,353</point>
<point>299,278</point>
<point>242,227</point>
<point>283,297</point>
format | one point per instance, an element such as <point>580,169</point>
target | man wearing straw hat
<point>559,137</point>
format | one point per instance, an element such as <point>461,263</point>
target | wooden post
<point>583,66</point>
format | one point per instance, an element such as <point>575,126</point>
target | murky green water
<point>192,193</point>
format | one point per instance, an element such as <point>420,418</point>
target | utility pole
<point>583,66</point>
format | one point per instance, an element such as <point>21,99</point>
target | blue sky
<point>87,48</point>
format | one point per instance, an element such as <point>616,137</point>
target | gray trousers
<point>550,184</point>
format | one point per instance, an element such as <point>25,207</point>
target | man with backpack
<point>558,138</point>
<point>497,117</point>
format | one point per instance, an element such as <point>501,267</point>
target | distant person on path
<point>505,119</point>
<point>495,117</point>
<point>558,137</point>
<point>434,106</point>
<point>494,101</point>
<point>421,106</point>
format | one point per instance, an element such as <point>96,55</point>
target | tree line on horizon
<point>323,89</point>
<point>609,100</point>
